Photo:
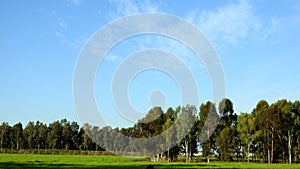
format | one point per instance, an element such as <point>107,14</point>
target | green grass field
<point>17,161</point>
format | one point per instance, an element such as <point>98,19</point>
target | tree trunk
<point>208,155</point>
<point>169,153</point>
<point>190,151</point>
<point>2,138</point>
<point>248,152</point>
<point>2,141</point>
<point>283,155</point>
<point>186,151</point>
<point>298,149</point>
<point>269,152</point>
<point>290,147</point>
<point>269,155</point>
<point>208,134</point>
<point>272,150</point>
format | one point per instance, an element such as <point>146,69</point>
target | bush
<point>55,151</point>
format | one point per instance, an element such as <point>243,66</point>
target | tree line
<point>270,133</point>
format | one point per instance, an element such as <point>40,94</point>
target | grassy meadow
<point>17,161</point>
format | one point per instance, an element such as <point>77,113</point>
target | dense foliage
<point>270,133</point>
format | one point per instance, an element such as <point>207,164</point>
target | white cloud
<point>234,23</point>
<point>73,2</point>
<point>66,36</point>
<point>78,42</point>
<point>126,7</point>
<point>62,24</point>
<point>275,26</point>
<point>61,37</point>
<point>112,58</point>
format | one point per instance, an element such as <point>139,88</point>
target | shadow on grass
<point>38,164</point>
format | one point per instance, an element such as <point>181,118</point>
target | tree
<point>274,122</point>
<point>262,122</point>
<point>17,136</point>
<point>54,137</point>
<point>150,126</point>
<point>75,135</point>
<point>207,123</point>
<point>246,128</point>
<point>288,122</point>
<point>5,135</point>
<point>170,135</point>
<point>67,135</point>
<point>186,127</point>
<point>226,130</point>
<point>30,135</point>
<point>226,144</point>
<point>296,110</point>
<point>41,131</point>
<point>86,139</point>
<point>226,111</point>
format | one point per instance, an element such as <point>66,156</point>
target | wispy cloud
<point>126,7</point>
<point>275,24</point>
<point>61,37</point>
<point>112,58</point>
<point>62,25</point>
<point>234,23</point>
<point>73,2</point>
<point>78,41</point>
<point>64,31</point>
<point>296,18</point>
<point>66,36</point>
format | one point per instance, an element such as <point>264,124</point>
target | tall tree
<point>288,122</point>
<point>207,123</point>
<point>274,121</point>
<point>296,110</point>
<point>30,135</point>
<point>67,135</point>
<point>262,122</point>
<point>41,136</point>
<point>186,127</point>
<point>246,128</point>
<point>54,137</point>
<point>5,135</point>
<point>86,137</point>
<point>227,131</point>
<point>17,136</point>
<point>170,133</point>
<point>75,135</point>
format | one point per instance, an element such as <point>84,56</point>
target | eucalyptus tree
<point>169,131</point>
<point>246,131</point>
<point>186,120</point>
<point>296,110</point>
<point>288,124</point>
<point>30,135</point>
<point>87,142</point>
<point>17,138</point>
<point>54,137</point>
<point>5,130</point>
<point>208,120</point>
<point>262,122</point>
<point>227,134</point>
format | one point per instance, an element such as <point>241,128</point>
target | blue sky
<point>257,41</point>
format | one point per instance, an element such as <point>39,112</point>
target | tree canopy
<point>270,133</point>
